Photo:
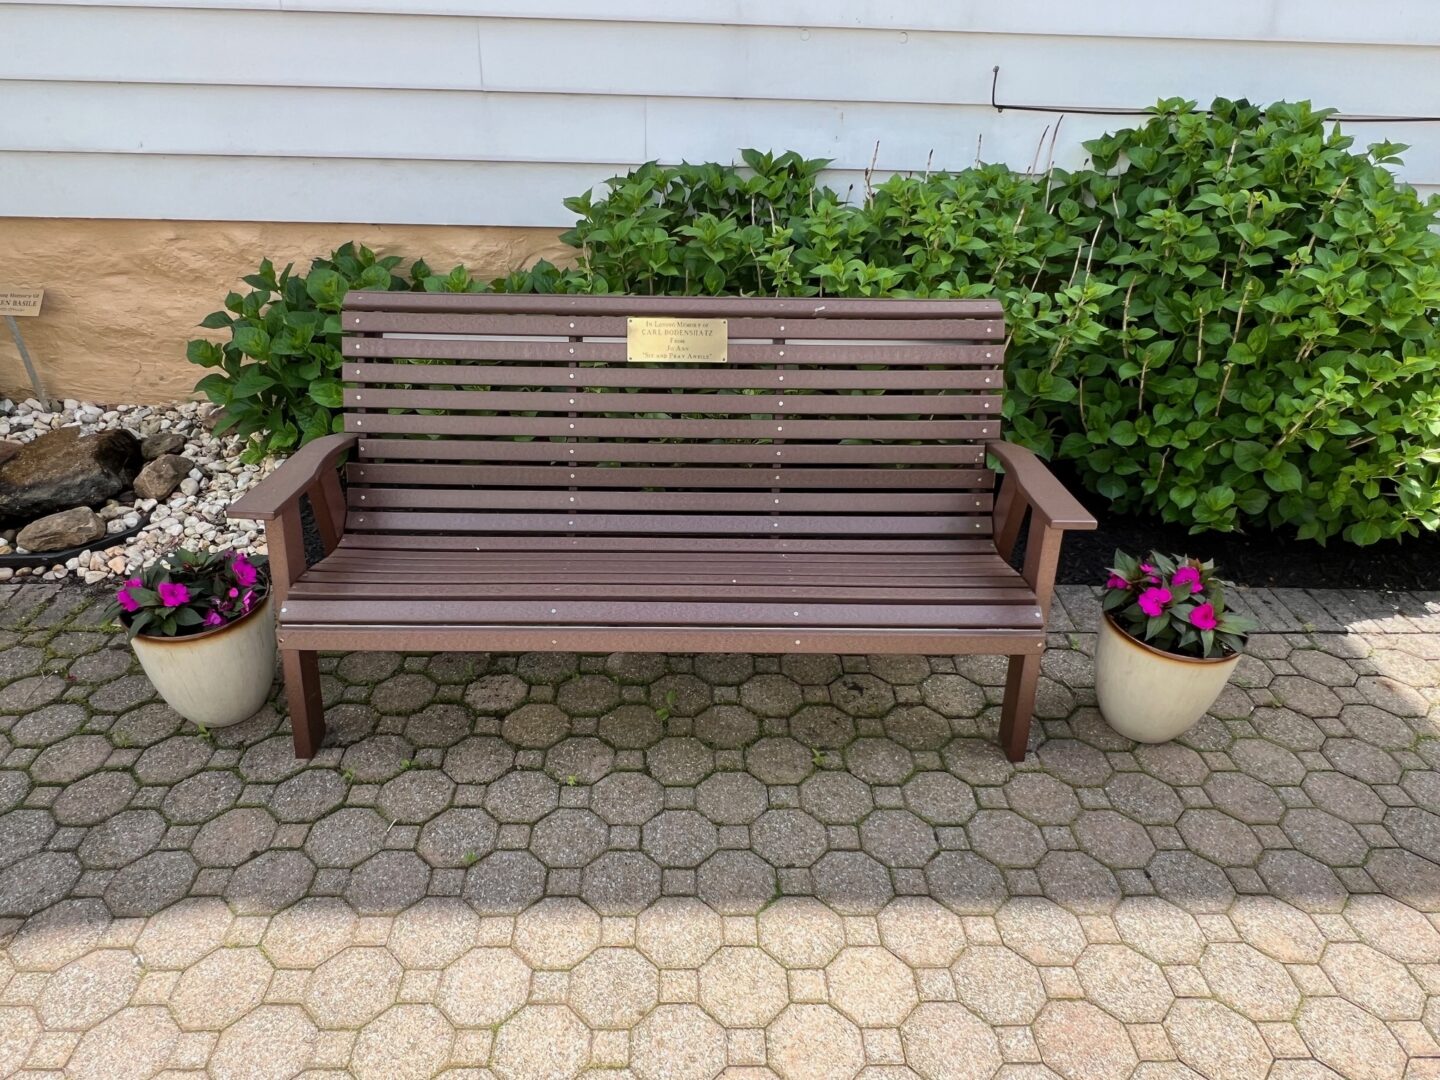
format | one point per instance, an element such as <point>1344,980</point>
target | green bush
<point>277,377</point>
<point>1227,320</point>
<point>1253,338</point>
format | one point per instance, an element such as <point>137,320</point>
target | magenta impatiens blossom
<point>245,573</point>
<point>124,599</point>
<point>1117,582</point>
<point>1203,617</point>
<point>1152,601</point>
<point>172,594</point>
<point>1187,575</point>
<point>214,619</point>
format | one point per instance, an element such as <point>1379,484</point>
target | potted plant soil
<point>1167,645</point>
<point>202,628</point>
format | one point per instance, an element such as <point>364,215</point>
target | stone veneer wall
<point>123,297</point>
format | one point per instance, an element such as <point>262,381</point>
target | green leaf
<point>216,388</point>
<point>328,393</point>
<point>251,382</point>
<point>326,288</point>
<point>1364,533</point>
<point>253,341</point>
<point>1250,455</point>
<point>1284,477</point>
<point>1252,501</point>
<point>205,353</point>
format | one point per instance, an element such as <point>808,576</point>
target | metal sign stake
<point>25,358</point>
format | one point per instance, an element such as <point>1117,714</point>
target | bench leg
<point>1019,706</point>
<point>302,692</point>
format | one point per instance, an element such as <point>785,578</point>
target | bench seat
<point>640,599</point>
<point>518,479</point>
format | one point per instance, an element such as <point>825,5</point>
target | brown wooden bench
<point>525,487</point>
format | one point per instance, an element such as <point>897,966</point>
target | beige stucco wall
<point>123,297</point>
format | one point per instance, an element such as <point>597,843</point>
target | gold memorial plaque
<point>676,341</point>
<point>17,301</point>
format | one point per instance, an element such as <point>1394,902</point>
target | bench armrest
<point>296,476</point>
<point>1037,488</point>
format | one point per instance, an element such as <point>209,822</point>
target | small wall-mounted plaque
<point>676,341</point>
<point>17,301</point>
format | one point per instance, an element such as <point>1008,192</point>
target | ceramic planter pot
<point>1153,696</point>
<point>216,678</point>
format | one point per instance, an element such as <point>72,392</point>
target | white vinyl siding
<point>483,112</point>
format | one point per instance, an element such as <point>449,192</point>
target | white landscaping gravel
<point>193,517</point>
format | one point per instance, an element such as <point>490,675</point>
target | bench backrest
<point>522,417</point>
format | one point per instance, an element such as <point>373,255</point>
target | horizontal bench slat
<point>667,453</point>
<point>790,546</point>
<point>670,590</point>
<point>473,637</point>
<point>672,477</point>
<point>667,524</point>
<point>541,565</point>
<point>800,617</point>
<point>979,329</point>
<point>710,377</point>
<point>689,502</point>
<point>555,583</point>
<point>680,306</point>
<point>582,427</point>
<point>776,403</point>
<point>826,355</point>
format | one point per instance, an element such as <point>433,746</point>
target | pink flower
<point>1187,575</point>
<point>233,593</point>
<point>173,594</point>
<point>1153,601</point>
<point>1115,581</point>
<point>244,572</point>
<point>1147,568</point>
<point>125,600</point>
<point>214,619</point>
<point>1203,617</point>
<point>248,599</point>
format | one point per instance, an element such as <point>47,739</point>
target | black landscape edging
<point>50,558</point>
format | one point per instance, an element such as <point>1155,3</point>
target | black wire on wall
<point>1000,106</point>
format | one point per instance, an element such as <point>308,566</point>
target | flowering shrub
<point>1174,603</point>
<point>189,593</point>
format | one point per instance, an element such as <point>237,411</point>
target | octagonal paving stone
<point>737,866</point>
<point>942,1040</point>
<point>484,987</point>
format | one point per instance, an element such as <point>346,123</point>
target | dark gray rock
<point>162,476</point>
<point>63,469</point>
<point>159,445</point>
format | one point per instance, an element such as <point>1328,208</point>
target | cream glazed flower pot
<point>216,678</point>
<point>1149,695</point>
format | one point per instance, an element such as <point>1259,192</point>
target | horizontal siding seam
<point>616,167</point>
<point>658,19</point>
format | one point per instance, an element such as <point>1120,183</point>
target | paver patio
<point>810,867</point>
